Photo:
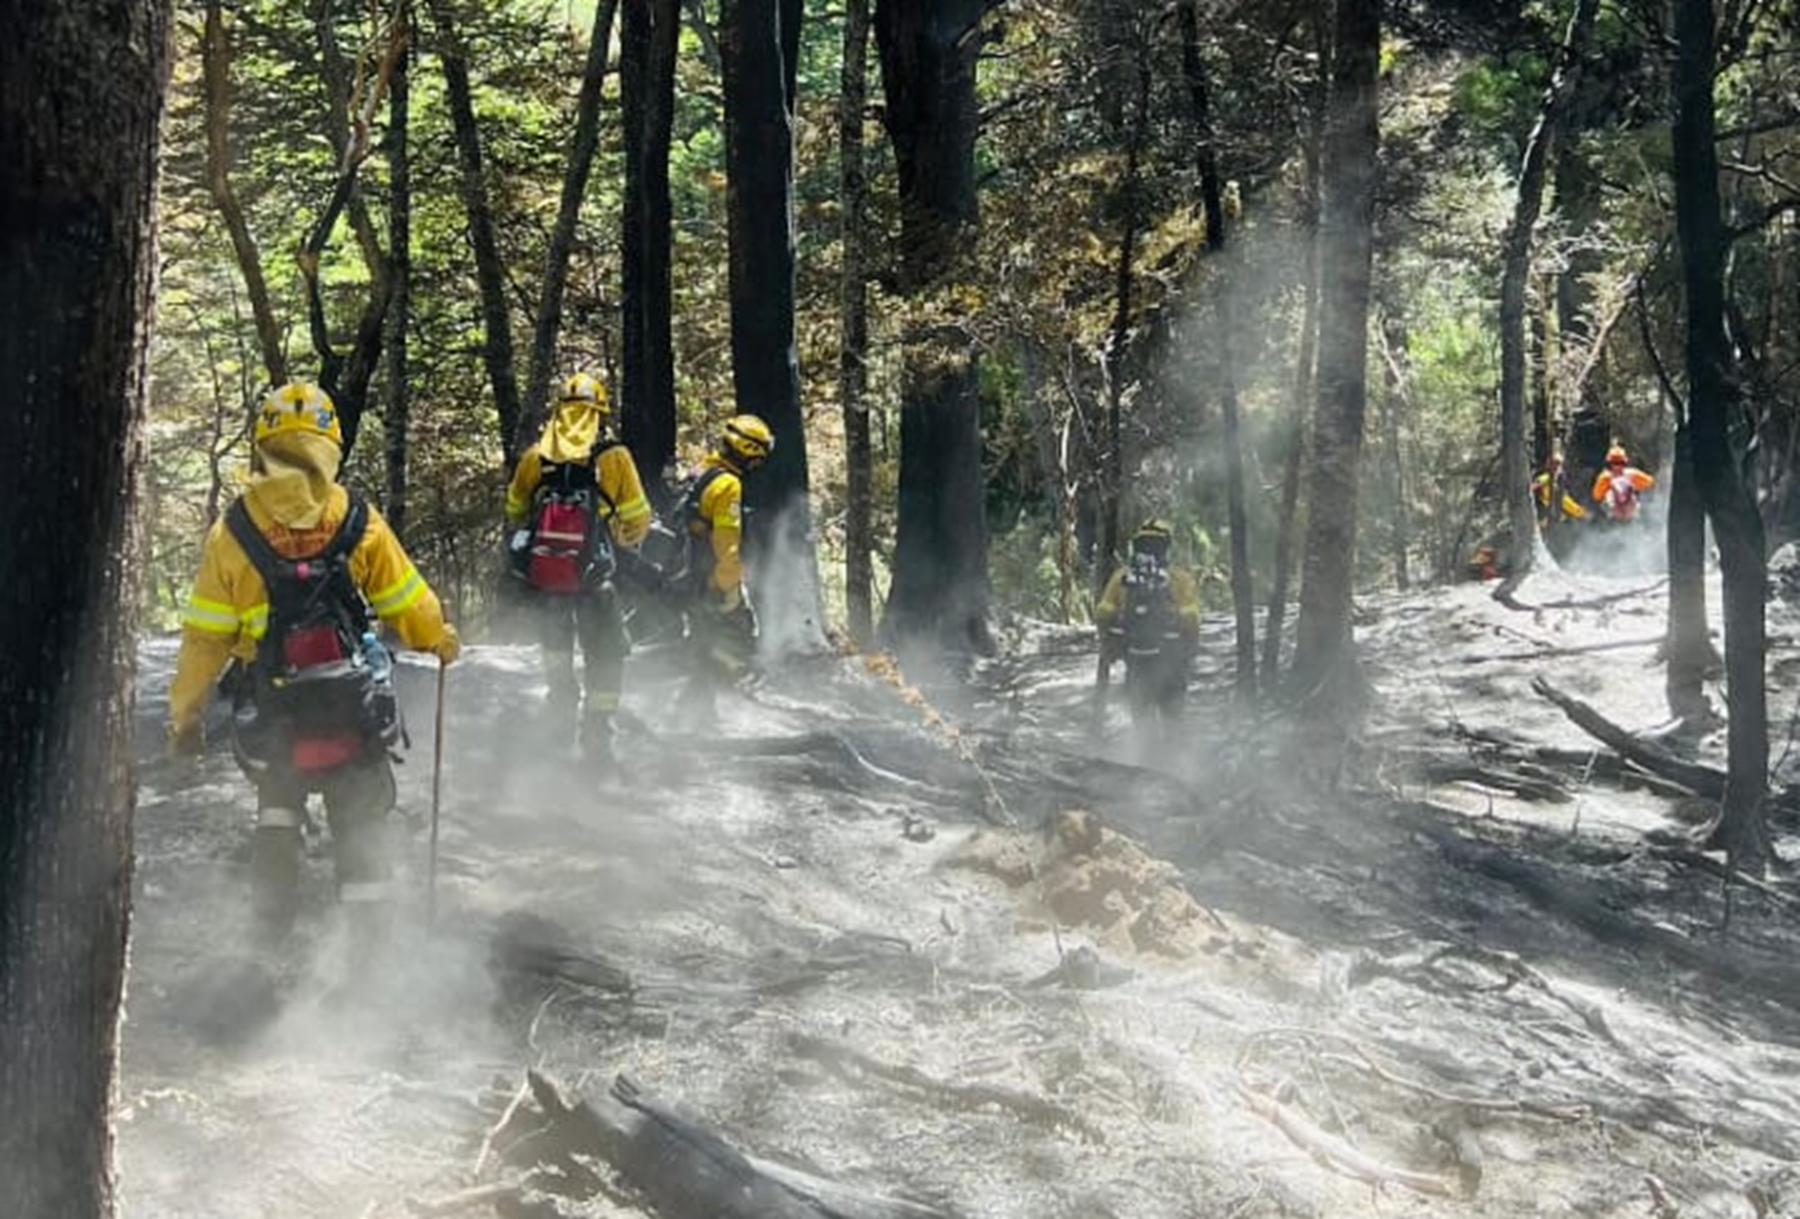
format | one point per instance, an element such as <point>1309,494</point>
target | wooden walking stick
<point>437,778</point>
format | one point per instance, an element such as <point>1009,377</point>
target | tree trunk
<point>1688,650</point>
<point>940,587</point>
<point>1393,403</point>
<point>490,272</point>
<point>765,366</point>
<point>853,339</point>
<point>398,409</point>
<point>1542,396</point>
<point>1515,475</point>
<point>1304,382</point>
<point>1324,657</point>
<point>215,62</point>
<point>1714,409</point>
<point>648,36</point>
<point>1130,205</point>
<point>582,145</point>
<point>1243,595</point>
<point>79,118</point>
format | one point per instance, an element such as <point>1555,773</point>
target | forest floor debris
<point>1487,975</point>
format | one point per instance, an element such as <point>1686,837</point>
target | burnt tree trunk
<point>649,31</point>
<point>80,108</point>
<point>1515,474</point>
<point>765,365</point>
<point>853,338</point>
<point>397,410</point>
<point>1714,411</point>
<point>582,145</point>
<point>490,272</point>
<point>928,51</point>
<point>1324,654</point>
<point>1243,595</point>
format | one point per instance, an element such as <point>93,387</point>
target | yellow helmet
<point>1153,538</point>
<point>585,388</point>
<point>746,440</point>
<point>298,406</point>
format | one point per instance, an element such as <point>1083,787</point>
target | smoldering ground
<point>846,933</point>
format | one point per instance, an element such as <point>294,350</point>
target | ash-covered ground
<point>957,944</point>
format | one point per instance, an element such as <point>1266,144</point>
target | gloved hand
<point>186,740</point>
<point>726,601</point>
<point>449,645</point>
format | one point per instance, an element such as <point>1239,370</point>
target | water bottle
<point>380,664</point>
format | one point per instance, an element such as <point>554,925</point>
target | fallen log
<point>685,1169</point>
<point>1699,779</point>
<point>1752,972</point>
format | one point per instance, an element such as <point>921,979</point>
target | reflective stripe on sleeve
<point>254,621</point>
<point>634,509</point>
<point>396,597</point>
<point>214,617</point>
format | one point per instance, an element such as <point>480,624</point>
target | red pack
<point>561,545</point>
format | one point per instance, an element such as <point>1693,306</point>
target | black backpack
<point>310,678</point>
<point>567,550</point>
<point>1150,625</point>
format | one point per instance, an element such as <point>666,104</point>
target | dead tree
<point>1715,410</point>
<point>79,132</point>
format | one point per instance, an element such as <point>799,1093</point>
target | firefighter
<point>292,584</point>
<point>1551,491</point>
<point>575,498</point>
<point>1149,617</point>
<point>721,623</point>
<point>1620,486</point>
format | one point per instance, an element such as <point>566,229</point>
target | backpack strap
<point>278,572</point>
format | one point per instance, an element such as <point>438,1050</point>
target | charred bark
<point>764,362</point>
<point>1714,408</point>
<point>1515,475</point>
<point>940,588</point>
<point>79,118</point>
<point>1324,657</point>
<point>582,145</point>
<point>1393,403</point>
<point>853,340</point>
<point>490,272</point>
<point>648,34</point>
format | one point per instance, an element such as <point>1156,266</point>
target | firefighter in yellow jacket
<point>574,497</point>
<point>293,582</point>
<point>1149,617</point>
<point>721,624</point>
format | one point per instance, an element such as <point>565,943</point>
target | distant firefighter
<point>1149,617</point>
<point>1619,487</point>
<point>1551,491</point>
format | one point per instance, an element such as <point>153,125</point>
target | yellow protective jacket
<point>1182,592</point>
<point>228,610</point>
<point>622,503</point>
<point>1545,486</point>
<point>719,517</point>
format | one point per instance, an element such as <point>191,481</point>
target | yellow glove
<point>728,600</point>
<point>449,645</point>
<point>186,740</point>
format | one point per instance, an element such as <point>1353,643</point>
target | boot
<point>274,879</point>
<point>597,737</point>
